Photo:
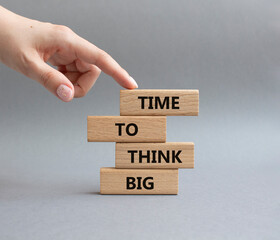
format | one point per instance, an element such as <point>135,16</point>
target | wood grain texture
<point>103,129</point>
<point>155,155</point>
<point>132,102</point>
<point>138,181</point>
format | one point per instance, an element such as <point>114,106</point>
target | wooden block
<point>126,129</point>
<point>138,181</point>
<point>155,155</point>
<point>159,102</point>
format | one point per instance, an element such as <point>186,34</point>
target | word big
<point>130,183</point>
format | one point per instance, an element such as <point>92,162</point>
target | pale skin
<point>27,46</point>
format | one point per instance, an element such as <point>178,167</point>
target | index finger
<point>89,53</point>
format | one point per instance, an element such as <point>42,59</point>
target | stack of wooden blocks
<point>145,163</point>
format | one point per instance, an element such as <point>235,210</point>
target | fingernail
<point>134,82</point>
<point>65,93</point>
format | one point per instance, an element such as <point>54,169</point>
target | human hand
<point>27,45</point>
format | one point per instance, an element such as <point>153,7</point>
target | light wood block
<point>155,155</point>
<point>159,102</point>
<point>126,129</point>
<point>138,181</point>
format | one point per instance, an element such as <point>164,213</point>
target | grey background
<point>229,50</point>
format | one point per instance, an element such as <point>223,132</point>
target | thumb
<point>53,80</point>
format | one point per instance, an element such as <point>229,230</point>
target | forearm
<point>7,22</point>
<point>9,19</point>
<point>5,13</point>
<point>7,25</point>
<point>13,28</point>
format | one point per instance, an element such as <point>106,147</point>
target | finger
<point>93,55</point>
<point>83,66</point>
<point>76,66</point>
<point>73,76</point>
<point>83,78</point>
<point>53,80</point>
<point>61,68</point>
<point>86,81</point>
<point>71,67</point>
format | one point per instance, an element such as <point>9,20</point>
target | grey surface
<point>229,50</point>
